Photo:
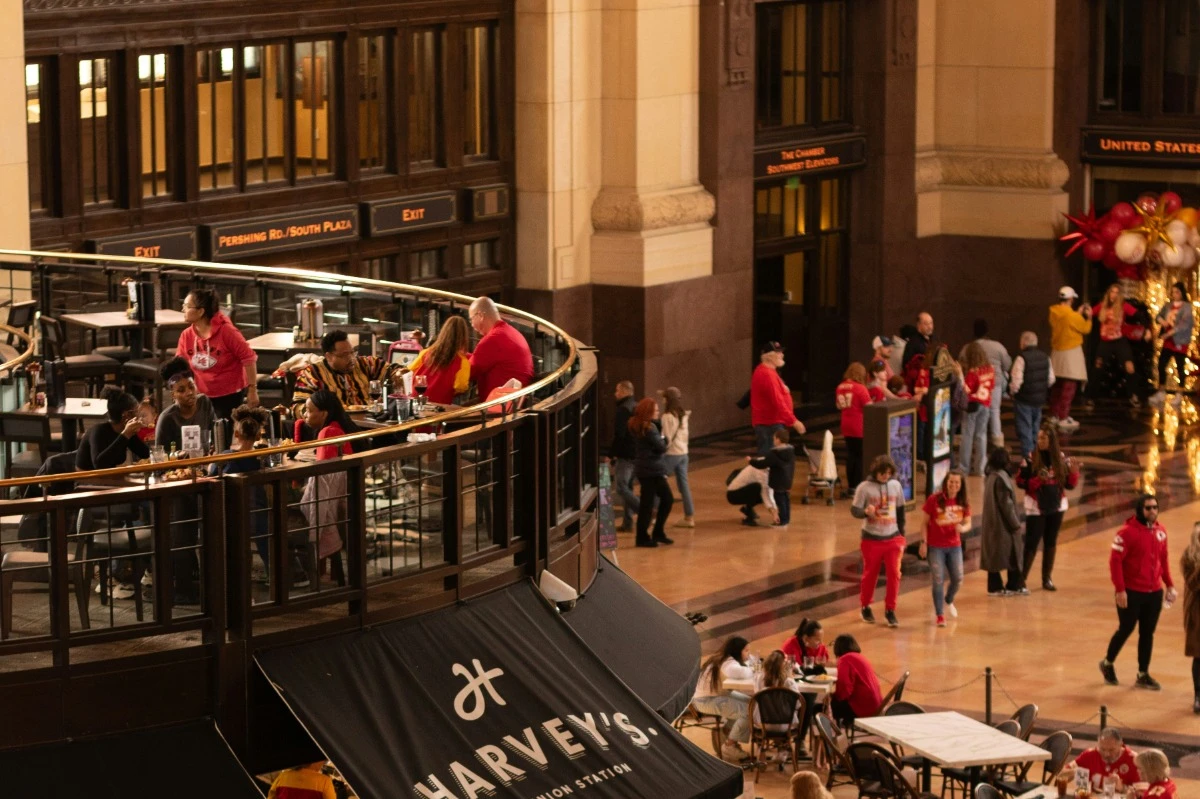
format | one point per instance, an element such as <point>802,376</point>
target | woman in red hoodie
<point>222,363</point>
<point>857,692</point>
<point>852,396</point>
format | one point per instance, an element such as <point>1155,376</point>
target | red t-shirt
<point>1164,789</point>
<point>851,398</point>
<point>942,528</point>
<point>981,383</point>
<point>500,356</point>
<point>1112,324</point>
<point>219,361</point>
<point>876,393</point>
<point>857,684</point>
<point>770,398</point>
<point>1090,759</point>
<point>332,430</point>
<point>798,651</point>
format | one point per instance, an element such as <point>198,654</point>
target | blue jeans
<point>728,706</point>
<point>994,428</point>
<point>764,436</point>
<point>1028,419</point>
<point>942,560</point>
<point>784,501</point>
<point>623,482</point>
<point>973,444</point>
<point>678,466</point>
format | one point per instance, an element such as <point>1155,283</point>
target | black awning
<point>629,629</point>
<point>495,694</point>
<point>187,761</point>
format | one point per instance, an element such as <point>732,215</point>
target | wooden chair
<point>1025,716</point>
<point>28,429</point>
<point>1058,744</point>
<point>691,717</point>
<point>840,771</point>
<point>864,759</point>
<point>893,781</point>
<point>91,368</point>
<point>26,566</point>
<point>776,715</point>
<point>20,316</point>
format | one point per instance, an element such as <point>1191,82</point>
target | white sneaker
<point>951,611</point>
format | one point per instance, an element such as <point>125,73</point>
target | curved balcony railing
<point>223,565</point>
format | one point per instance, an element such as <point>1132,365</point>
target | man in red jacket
<point>770,399</point>
<point>1139,569</point>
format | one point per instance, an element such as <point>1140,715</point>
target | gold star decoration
<point>1153,227</point>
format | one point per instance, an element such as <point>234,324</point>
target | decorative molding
<point>33,6</point>
<point>936,170</point>
<point>630,211</point>
<point>739,41</point>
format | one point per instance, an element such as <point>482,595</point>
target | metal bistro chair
<point>691,717</point>
<point>776,715</point>
<point>985,791</point>
<point>1058,744</point>
<point>91,368</point>
<point>893,781</point>
<point>864,760</point>
<point>840,770</point>
<point>115,534</point>
<point>894,695</point>
<point>20,316</point>
<point>1025,716</point>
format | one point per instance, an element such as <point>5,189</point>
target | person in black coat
<point>650,467</point>
<point>780,463</point>
<point>107,445</point>
<point>622,453</point>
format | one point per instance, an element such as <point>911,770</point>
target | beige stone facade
<point>14,162</point>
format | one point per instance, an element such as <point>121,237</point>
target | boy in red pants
<point>880,501</point>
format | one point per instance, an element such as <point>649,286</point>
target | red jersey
<point>981,383</point>
<point>851,398</point>
<point>770,398</point>
<point>857,684</point>
<point>944,516</point>
<point>1164,789</point>
<point>876,393</point>
<point>799,651</point>
<point>1139,558</point>
<point>1112,326</point>
<point>1123,767</point>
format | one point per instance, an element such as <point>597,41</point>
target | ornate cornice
<point>74,5</point>
<point>630,211</point>
<point>942,169</point>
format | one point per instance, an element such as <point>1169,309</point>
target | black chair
<point>840,770</point>
<point>118,352</point>
<point>893,781</point>
<point>1025,716</point>
<point>956,779</point>
<point>691,717</point>
<point>29,429</point>
<point>905,709</point>
<point>775,718</point>
<point>1058,744</point>
<point>985,791</point>
<point>863,757</point>
<point>116,534</point>
<point>91,368</point>
<point>20,316</point>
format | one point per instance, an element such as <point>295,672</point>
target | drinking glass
<point>158,454</point>
<point>1109,786</point>
<point>420,385</point>
<point>375,389</point>
<point>808,663</point>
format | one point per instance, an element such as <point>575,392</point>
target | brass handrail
<point>479,409</point>
<point>22,357</point>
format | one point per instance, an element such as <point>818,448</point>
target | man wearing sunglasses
<point>1140,568</point>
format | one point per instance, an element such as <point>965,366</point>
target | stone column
<point>652,215</point>
<point>985,120</point>
<point>14,161</point>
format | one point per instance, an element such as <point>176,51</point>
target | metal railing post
<point>987,696</point>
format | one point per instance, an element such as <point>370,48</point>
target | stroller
<point>823,479</point>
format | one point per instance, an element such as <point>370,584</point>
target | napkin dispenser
<point>55,373</point>
<point>310,318</point>
<point>220,435</point>
<point>145,307</point>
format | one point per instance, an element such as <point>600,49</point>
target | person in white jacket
<point>712,697</point>
<point>675,430</point>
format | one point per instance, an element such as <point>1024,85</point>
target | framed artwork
<point>941,422</point>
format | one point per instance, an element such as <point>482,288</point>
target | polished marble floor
<point>759,583</point>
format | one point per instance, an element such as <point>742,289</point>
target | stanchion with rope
<point>987,695</point>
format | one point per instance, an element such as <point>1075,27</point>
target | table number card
<point>191,439</point>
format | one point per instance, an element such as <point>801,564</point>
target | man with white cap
<point>1067,329</point>
<point>883,352</point>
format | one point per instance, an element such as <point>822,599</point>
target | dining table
<point>72,412</point>
<point>823,687</point>
<point>119,321</point>
<point>280,341</point>
<point>952,740</point>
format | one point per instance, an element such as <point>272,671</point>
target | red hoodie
<point>1139,558</point>
<point>219,361</point>
<point>857,684</point>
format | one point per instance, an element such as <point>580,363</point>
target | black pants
<point>1164,358</point>
<point>1110,376</point>
<point>1141,611</point>
<point>223,407</point>
<point>1044,529</point>
<point>653,487</point>
<point>1016,581</point>
<point>842,712</point>
<point>1196,676</point>
<point>746,496</point>
<point>854,464</point>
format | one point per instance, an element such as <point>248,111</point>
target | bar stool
<point>91,368</point>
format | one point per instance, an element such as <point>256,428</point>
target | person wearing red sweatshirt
<point>857,692</point>
<point>770,398</point>
<point>1139,568</point>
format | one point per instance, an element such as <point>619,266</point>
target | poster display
<point>941,422</point>
<point>902,446</point>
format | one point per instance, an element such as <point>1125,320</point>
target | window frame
<point>1152,63</point>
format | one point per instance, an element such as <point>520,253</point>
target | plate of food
<point>818,678</point>
<point>355,408</point>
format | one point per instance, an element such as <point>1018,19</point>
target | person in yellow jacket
<point>303,782</point>
<point>1067,329</point>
